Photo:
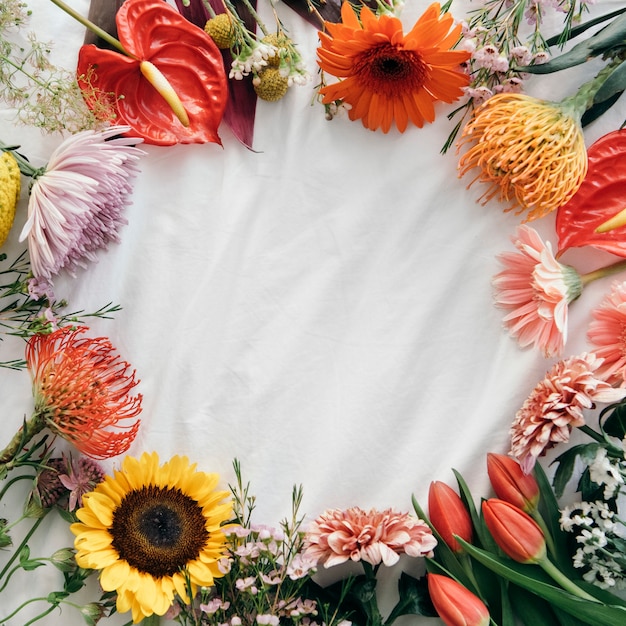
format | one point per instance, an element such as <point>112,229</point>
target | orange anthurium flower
<point>448,515</point>
<point>515,532</point>
<point>510,482</point>
<point>387,76</point>
<point>169,88</point>
<point>587,219</point>
<point>456,605</point>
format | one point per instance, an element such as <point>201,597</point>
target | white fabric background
<point>320,310</point>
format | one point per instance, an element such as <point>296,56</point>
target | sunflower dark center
<point>386,68</point>
<point>158,530</point>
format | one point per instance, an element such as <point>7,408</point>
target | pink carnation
<point>536,290</point>
<point>556,405</point>
<point>374,537</point>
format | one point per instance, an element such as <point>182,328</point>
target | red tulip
<point>515,532</point>
<point>456,605</point>
<point>511,484</point>
<point>448,515</point>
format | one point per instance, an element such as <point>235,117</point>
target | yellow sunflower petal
<point>115,576</point>
<point>101,506</point>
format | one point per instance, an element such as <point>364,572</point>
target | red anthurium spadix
<point>169,88</point>
<point>595,215</point>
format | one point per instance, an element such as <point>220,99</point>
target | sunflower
<point>387,76</point>
<point>151,530</point>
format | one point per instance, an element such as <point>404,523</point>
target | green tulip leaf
<point>530,609</point>
<point>589,612</point>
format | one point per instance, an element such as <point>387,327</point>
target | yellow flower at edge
<point>148,527</point>
<point>530,152</point>
<point>386,76</point>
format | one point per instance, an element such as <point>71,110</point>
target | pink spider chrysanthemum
<point>556,405</point>
<point>536,290</point>
<point>76,204</point>
<point>375,537</point>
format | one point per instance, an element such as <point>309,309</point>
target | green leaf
<point>615,424</point>
<point>599,109</point>
<point>615,83</point>
<point>589,612</point>
<point>581,28</point>
<point>565,469</point>
<point>608,37</point>
<point>414,599</point>
<point>530,609</point>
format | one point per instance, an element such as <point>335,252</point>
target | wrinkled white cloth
<point>320,309</point>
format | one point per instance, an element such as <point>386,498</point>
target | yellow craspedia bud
<point>10,185</point>
<point>278,41</point>
<point>270,85</point>
<point>222,30</point>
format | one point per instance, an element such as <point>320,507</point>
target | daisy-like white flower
<point>536,290</point>
<point>153,531</point>
<point>556,405</point>
<point>375,537</point>
<point>76,203</point>
<point>607,334</point>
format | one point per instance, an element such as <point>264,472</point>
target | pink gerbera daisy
<point>374,537</point>
<point>76,204</point>
<point>536,290</point>
<point>556,405</point>
<point>607,333</point>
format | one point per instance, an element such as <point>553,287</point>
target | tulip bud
<point>510,482</point>
<point>456,605</point>
<point>448,515</point>
<point>515,532</point>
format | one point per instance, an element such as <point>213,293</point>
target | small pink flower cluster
<point>375,537</point>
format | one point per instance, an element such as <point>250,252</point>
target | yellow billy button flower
<point>510,482</point>
<point>448,515</point>
<point>10,184</point>
<point>151,529</point>
<point>456,605</point>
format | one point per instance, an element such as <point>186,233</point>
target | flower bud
<point>515,532</point>
<point>63,559</point>
<point>92,613</point>
<point>448,515</point>
<point>456,605</point>
<point>510,482</point>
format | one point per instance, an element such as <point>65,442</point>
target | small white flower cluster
<point>598,530</point>
<point>251,59</point>
<point>608,472</point>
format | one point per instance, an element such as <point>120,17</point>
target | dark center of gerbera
<point>385,68</point>
<point>158,530</point>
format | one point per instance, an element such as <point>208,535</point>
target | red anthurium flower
<point>510,482</point>
<point>171,86</point>
<point>448,515</point>
<point>456,605</point>
<point>515,532</point>
<point>586,219</point>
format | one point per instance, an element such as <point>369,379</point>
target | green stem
<point>92,27</point>
<point>11,482</point>
<point>559,577</point>
<point>534,513</point>
<point>16,553</point>
<point>255,15</point>
<point>608,270</point>
<point>25,433</point>
<point>21,606</point>
<point>41,615</point>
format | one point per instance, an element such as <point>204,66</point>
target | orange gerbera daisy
<point>388,76</point>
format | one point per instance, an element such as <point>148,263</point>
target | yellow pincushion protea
<point>10,185</point>
<point>530,152</point>
<point>149,527</point>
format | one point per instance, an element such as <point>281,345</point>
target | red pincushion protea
<point>82,392</point>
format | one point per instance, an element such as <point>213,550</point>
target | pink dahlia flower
<point>75,206</point>
<point>607,334</point>
<point>536,290</point>
<point>556,405</point>
<point>375,537</point>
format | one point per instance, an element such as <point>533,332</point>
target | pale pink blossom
<point>607,334</point>
<point>375,537</point>
<point>82,476</point>
<point>76,205</point>
<point>536,290</point>
<point>556,405</point>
